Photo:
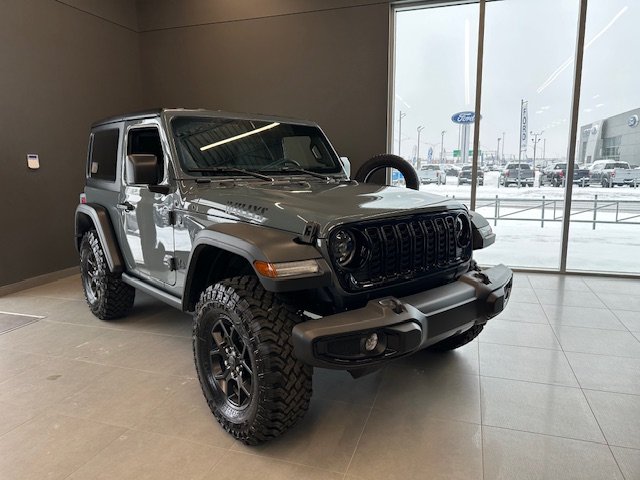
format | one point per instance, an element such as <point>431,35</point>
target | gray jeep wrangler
<point>252,223</point>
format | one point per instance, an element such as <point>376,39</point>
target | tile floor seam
<point>40,317</point>
<point>613,313</point>
<point>99,452</point>
<point>582,392</point>
<point>532,381</point>
<point>36,416</point>
<point>47,297</point>
<point>71,359</point>
<point>624,477</point>
<point>525,346</point>
<point>278,459</point>
<point>438,417</point>
<point>138,428</point>
<point>592,328</point>
<point>560,349</point>
<point>481,416</point>
<point>102,327</point>
<point>364,426</point>
<point>549,435</point>
<point>521,321</point>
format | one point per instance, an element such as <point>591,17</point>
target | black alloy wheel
<point>230,363</point>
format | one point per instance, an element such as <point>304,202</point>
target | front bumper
<point>402,325</point>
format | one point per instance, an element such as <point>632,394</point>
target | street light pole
<point>442,145</point>
<point>420,128</point>
<point>402,115</point>
<point>535,141</point>
<point>498,152</point>
<point>544,149</point>
<point>502,156</point>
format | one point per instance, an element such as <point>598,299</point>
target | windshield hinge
<point>310,233</point>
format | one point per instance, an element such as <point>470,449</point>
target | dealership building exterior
<point>616,138</point>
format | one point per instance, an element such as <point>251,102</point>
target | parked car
<point>464,176</point>
<point>554,174</point>
<point>452,170</point>
<point>432,174</point>
<point>517,174</point>
<point>609,173</point>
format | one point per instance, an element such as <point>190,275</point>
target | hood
<point>291,205</point>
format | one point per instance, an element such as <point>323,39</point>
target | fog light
<point>371,342</point>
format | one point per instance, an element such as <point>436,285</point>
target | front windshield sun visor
<point>216,146</point>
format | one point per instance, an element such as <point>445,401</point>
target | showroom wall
<point>324,60</point>
<point>66,63</point>
<point>63,65</point>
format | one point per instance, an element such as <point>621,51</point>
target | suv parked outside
<point>251,223</point>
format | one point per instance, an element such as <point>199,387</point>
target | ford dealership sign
<point>463,117</point>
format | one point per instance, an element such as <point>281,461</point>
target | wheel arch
<point>230,249</point>
<point>93,216</point>
<point>208,265</point>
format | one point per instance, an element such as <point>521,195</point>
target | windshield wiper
<point>299,170</point>
<point>223,169</point>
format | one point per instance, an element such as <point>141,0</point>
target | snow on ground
<point>523,243</point>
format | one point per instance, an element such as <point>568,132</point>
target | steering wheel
<point>281,161</point>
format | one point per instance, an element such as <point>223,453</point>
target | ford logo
<point>463,117</point>
<point>632,121</point>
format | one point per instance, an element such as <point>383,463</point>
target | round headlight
<point>463,231</point>
<point>343,247</point>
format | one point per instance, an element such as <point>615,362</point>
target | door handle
<point>126,206</point>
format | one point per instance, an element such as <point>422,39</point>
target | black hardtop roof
<point>129,116</point>
<point>156,112</point>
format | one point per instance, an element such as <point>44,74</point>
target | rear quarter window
<point>103,157</point>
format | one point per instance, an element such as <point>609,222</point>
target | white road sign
<point>524,125</point>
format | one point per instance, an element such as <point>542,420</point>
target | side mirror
<point>346,166</point>
<point>142,169</point>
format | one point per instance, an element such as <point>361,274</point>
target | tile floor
<point>550,390</point>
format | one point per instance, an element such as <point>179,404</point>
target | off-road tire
<point>457,341</point>
<point>280,384</point>
<point>106,294</point>
<point>387,160</point>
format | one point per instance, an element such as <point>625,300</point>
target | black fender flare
<point>257,243</point>
<point>90,215</point>
<point>387,160</point>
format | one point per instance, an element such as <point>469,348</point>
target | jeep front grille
<point>398,250</point>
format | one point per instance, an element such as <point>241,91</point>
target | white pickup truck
<point>609,173</point>
<point>432,174</point>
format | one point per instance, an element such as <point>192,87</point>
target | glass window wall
<point>527,91</point>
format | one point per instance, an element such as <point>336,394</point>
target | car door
<point>146,225</point>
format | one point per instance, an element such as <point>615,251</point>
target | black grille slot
<point>404,249</point>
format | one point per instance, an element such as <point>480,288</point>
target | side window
<point>146,140</point>
<point>103,159</point>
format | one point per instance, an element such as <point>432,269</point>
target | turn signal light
<point>286,269</point>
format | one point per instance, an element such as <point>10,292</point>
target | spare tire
<point>387,160</point>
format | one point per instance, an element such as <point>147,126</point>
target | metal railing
<point>545,210</point>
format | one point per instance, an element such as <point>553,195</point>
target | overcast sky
<point>529,52</point>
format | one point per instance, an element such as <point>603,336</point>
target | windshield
<point>430,167</point>
<point>208,145</point>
